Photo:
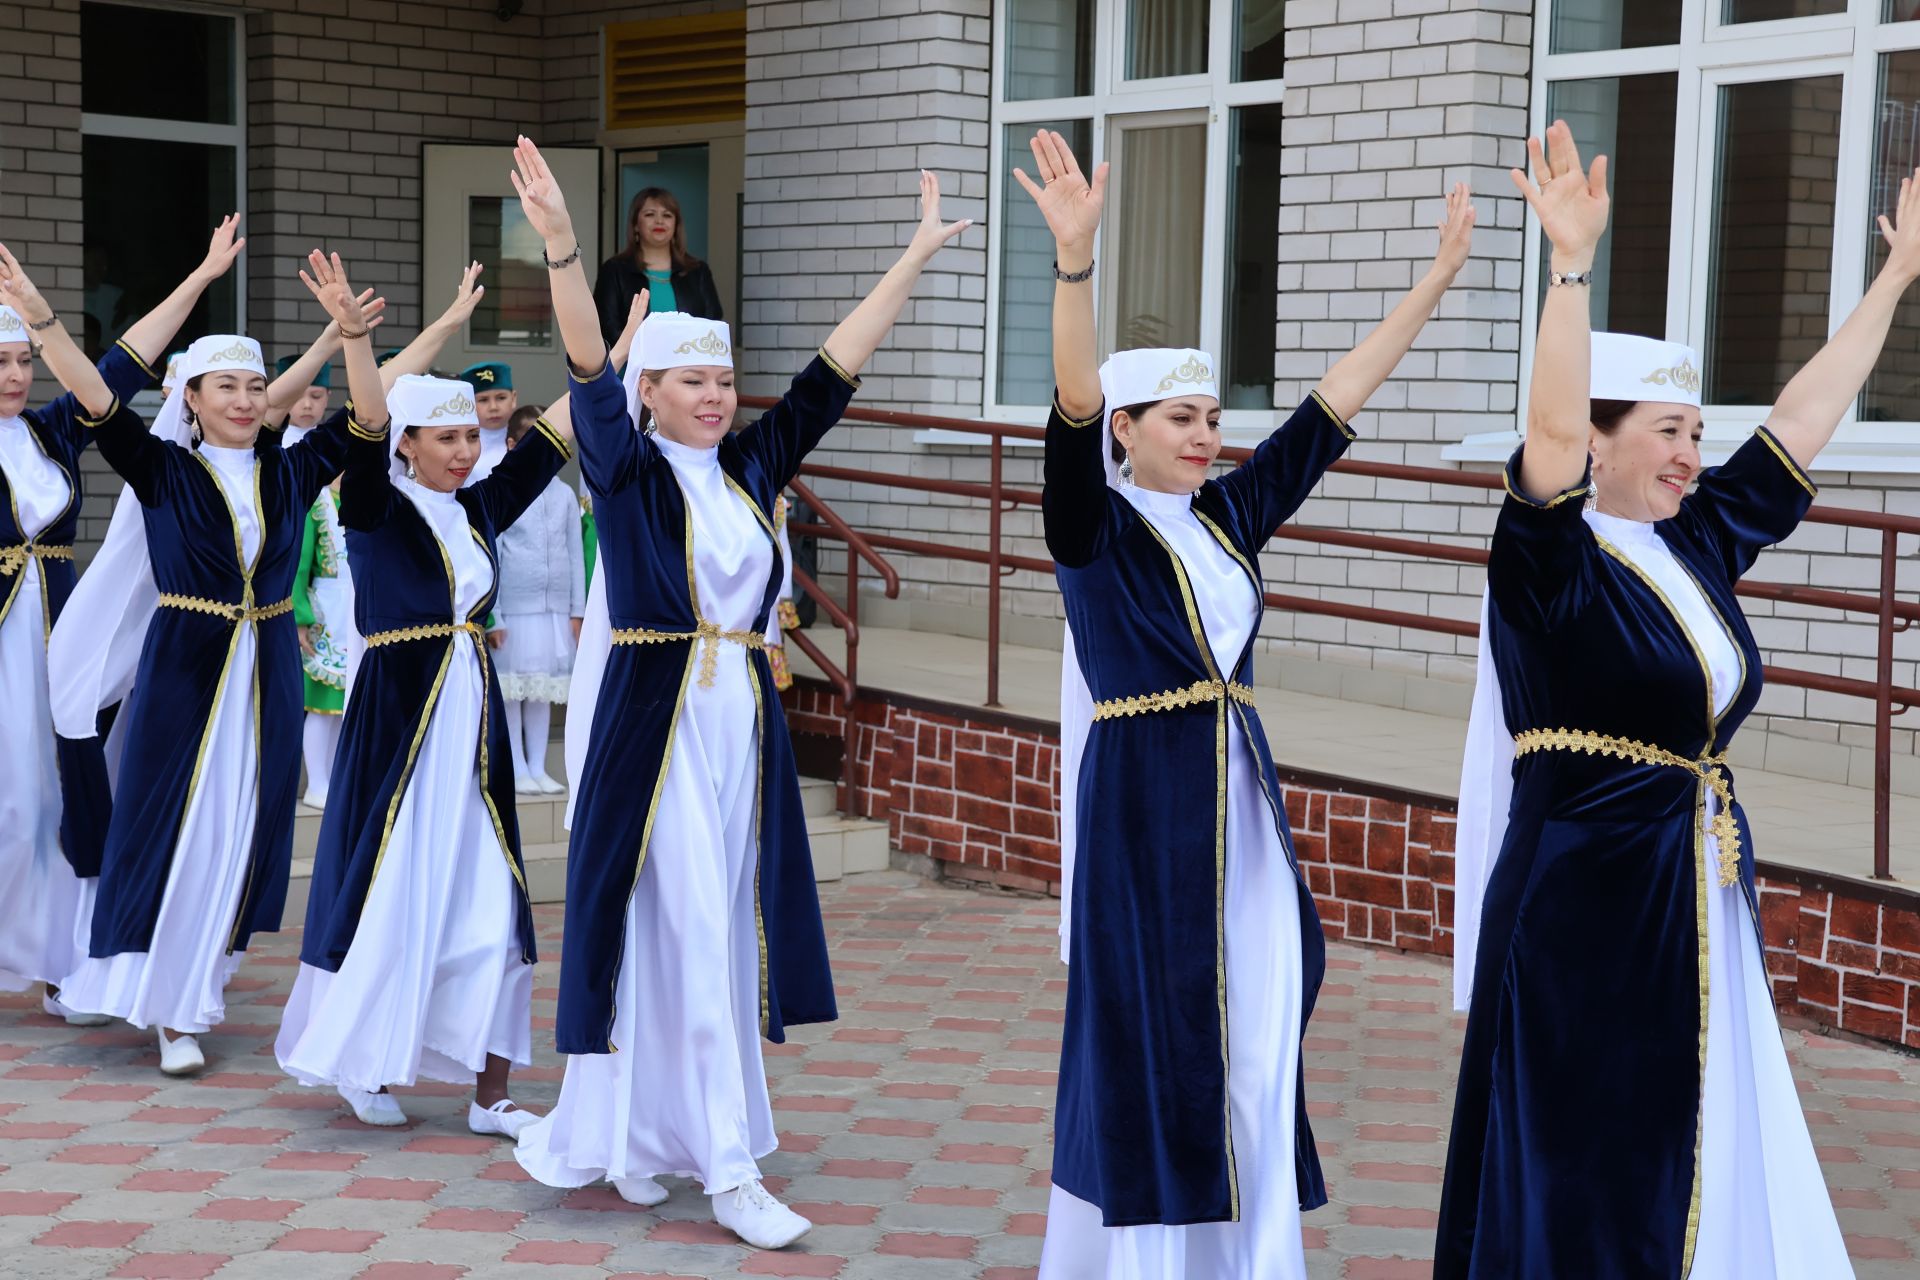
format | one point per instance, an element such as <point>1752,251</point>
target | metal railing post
<point>850,762</point>
<point>1883,718</point>
<point>993,578</point>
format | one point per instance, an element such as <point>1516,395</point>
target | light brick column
<point>1388,103</point>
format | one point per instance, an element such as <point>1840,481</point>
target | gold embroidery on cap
<point>1682,375</point>
<point>461,405</point>
<point>483,375</point>
<point>708,344</point>
<point>240,350</point>
<point>1194,371</point>
<point>10,323</point>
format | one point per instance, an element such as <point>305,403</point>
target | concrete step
<point>841,846</point>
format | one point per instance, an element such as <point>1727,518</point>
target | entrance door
<point>472,215</point>
<point>707,178</point>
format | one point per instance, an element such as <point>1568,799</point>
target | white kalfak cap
<point>1627,366</point>
<point>1147,374</point>
<point>674,340</point>
<point>430,403</point>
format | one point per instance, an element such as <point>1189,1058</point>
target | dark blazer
<point>694,292</point>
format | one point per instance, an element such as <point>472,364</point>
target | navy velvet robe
<point>405,581</point>
<point>86,799</point>
<point>191,538</point>
<point>1576,1124</point>
<point>646,551</point>
<point>1142,1123</point>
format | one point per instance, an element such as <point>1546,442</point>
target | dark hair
<point>521,421</point>
<point>677,247</point>
<point>1134,413</point>
<point>1606,415</point>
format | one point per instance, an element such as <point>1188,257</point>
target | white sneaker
<point>381,1109</point>
<point>180,1056</point>
<point>644,1192</point>
<point>75,1018</point>
<point>751,1212</point>
<point>547,785</point>
<point>314,799</point>
<point>503,1118</point>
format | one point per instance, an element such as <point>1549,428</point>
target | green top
<point>660,292</point>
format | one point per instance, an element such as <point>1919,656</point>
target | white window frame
<point>1710,55</point>
<point>1215,94</point>
<point>150,129</point>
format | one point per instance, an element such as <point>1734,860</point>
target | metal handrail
<point>1891,615</point>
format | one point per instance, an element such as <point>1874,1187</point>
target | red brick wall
<point>975,791</point>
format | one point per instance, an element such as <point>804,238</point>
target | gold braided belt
<point>1197,694</point>
<point>431,631</point>
<point>221,609</point>
<point>13,559</point>
<point>1711,770</point>
<point>707,633</point>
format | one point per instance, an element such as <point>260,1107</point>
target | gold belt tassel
<point>708,634</point>
<point>1709,769</point>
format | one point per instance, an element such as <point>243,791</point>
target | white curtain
<point>1156,268</point>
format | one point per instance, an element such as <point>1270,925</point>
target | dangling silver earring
<point>411,473</point>
<point>193,426</point>
<point>1593,496</point>
<point>1126,471</point>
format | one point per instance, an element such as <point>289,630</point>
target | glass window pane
<point>1166,38</point>
<point>1769,277</point>
<point>1893,389</point>
<point>516,310</point>
<point>1026,270</point>
<point>1158,216</point>
<point>1628,119</point>
<point>1259,40</point>
<point>1049,49</point>
<point>138,250</point>
<point>1582,26</point>
<point>1900,11</point>
<point>1733,11</point>
<point>157,63</point>
<point>1253,258</point>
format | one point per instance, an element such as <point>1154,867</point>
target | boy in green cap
<point>494,401</point>
<point>311,404</point>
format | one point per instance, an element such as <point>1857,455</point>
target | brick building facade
<point>1354,113</point>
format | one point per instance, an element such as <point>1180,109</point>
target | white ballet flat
<point>502,1118</point>
<point>751,1212</point>
<point>644,1192</point>
<point>547,785</point>
<point>181,1056</point>
<point>314,800</point>
<point>380,1109</point>
<point>526,787</point>
<point>74,1018</point>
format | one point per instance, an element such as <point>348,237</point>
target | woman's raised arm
<point>1071,205</point>
<point>573,306</point>
<point>855,339</point>
<point>418,356</point>
<point>152,333</point>
<point>63,357</point>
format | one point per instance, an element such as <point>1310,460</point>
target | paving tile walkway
<point>915,1131</point>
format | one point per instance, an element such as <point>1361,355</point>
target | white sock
<point>537,723</point>
<point>319,738</point>
<point>514,746</point>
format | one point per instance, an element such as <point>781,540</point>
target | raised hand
<point>1456,231</point>
<point>540,196</point>
<point>222,250</point>
<point>1570,199</point>
<point>328,284</point>
<point>18,291</point>
<point>932,233</point>
<point>636,312</point>
<point>1902,232</point>
<point>1070,204</point>
<point>465,299</point>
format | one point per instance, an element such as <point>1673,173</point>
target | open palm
<point>1570,199</point>
<point>1070,204</point>
<point>328,284</point>
<point>540,196</point>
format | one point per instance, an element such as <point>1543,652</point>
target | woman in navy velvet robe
<point>1625,1106</point>
<point>693,927</point>
<point>419,943</point>
<point>1182,1151</point>
<point>54,799</point>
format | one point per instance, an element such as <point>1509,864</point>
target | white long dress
<point>1764,1209</point>
<point>40,895</point>
<point>1263,998</point>
<point>686,1095</point>
<point>180,981</point>
<point>433,982</point>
